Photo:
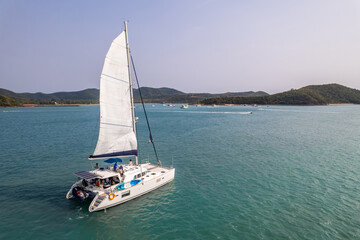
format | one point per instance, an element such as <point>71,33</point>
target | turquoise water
<point>279,173</point>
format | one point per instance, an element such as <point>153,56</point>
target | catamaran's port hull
<point>145,186</point>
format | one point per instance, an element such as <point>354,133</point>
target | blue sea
<point>282,172</point>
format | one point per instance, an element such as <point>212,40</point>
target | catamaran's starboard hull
<point>122,196</point>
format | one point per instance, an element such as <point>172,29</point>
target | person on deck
<point>97,166</point>
<point>115,166</point>
<point>131,163</point>
<point>102,183</point>
<point>121,170</point>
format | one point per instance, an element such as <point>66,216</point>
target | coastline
<point>262,105</point>
<point>30,105</point>
<point>96,104</point>
<point>341,104</point>
<point>45,105</point>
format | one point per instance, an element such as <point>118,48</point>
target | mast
<point>130,82</point>
<point>147,120</point>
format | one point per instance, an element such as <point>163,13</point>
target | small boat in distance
<point>184,106</point>
<point>111,185</point>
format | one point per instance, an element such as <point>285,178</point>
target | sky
<point>194,46</point>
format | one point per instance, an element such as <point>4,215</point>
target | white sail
<point>116,136</point>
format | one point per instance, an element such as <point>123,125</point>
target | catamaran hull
<point>119,197</point>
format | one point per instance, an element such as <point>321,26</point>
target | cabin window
<point>84,183</point>
<point>114,180</point>
<point>139,175</point>
<point>143,173</point>
<point>124,194</point>
<point>158,180</point>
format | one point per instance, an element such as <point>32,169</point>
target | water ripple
<point>282,173</point>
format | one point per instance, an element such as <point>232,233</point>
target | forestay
<point>116,136</point>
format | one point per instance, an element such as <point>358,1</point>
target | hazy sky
<point>193,46</point>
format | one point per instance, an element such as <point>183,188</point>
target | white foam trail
<point>209,112</point>
<point>11,111</point>
<point>300,111</point>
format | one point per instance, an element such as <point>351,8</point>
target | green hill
<point>310,95</point>
<point>169,95</point>
<point>7,102</point>
<point>197,97</point>
<point>153,95</point>
<point>84,96</point>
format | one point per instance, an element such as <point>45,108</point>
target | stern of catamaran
<point>107,187</point>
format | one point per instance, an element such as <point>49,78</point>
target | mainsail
<point>117,134</point>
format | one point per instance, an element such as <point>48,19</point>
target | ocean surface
<point>281,172</point>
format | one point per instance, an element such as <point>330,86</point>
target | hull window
<point>124,194</point>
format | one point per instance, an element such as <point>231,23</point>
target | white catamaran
<point>117,184</point>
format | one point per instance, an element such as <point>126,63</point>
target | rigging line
<point>146,117</point>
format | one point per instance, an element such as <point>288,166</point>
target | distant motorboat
<point>184,106</point>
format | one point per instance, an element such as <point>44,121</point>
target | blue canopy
<point>112,160</point>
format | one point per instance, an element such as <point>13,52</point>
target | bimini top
<point>86,175</point>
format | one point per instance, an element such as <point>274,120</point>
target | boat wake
<point>300,111</point>
<point>12,111</point>
<point>242,113</point>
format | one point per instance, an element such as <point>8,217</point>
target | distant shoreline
<point>45,105</point>
<point>250,105</point>
<point>61,105</point>
<point>342,104</point>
